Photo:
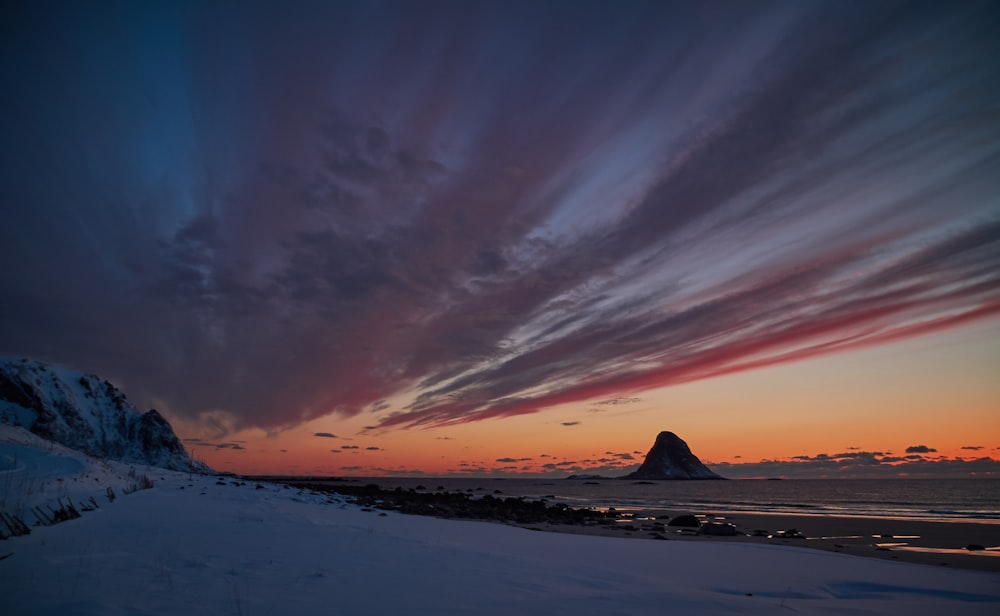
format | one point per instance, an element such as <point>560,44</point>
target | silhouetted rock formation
<point>671,458</point>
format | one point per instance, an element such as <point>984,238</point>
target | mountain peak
<point>85,413</point>
<point>671,458</point>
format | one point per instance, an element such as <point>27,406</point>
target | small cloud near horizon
<point>325,435</point>
<point>619,400</point>
<point>230,445</point>
<point>920,449</point>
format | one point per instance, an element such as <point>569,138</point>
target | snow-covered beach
<point>208,545</point>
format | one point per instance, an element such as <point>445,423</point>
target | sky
<point>516,237</point>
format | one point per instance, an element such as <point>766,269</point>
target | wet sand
<point>913,541</point>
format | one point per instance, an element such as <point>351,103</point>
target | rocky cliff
<point>671,458</point>
<point>85,413</point>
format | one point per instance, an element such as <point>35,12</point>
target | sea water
<point>970,499</point>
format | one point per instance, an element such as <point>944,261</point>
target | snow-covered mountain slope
<point>87,414</point>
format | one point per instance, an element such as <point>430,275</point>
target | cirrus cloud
<point>500,236</point>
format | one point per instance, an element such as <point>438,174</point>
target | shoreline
<point>210,545</point>
<point>927,542</point>
<point>935,543</point>
<point>640,510</point>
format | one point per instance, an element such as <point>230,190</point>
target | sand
<point>937,543</point>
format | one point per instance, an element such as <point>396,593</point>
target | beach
<point>942,543</point>
<point>912,541</point>
<point>203,544</point>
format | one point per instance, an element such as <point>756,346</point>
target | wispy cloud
<point>229,446</point>
<point>624,200</point>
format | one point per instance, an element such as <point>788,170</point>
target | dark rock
<point>687,521</point>
<point>460,505</point>
<point>671,458</point>
<point>156,437</point>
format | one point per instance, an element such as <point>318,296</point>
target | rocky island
<point>671,458</point>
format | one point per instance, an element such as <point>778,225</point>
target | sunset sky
<point>516,237</point>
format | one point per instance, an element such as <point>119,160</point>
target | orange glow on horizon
<point>936,391</point>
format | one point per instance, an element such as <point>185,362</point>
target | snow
<point>81,411</point>
<point>190,545</point>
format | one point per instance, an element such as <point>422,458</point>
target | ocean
<point>956,500</point>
